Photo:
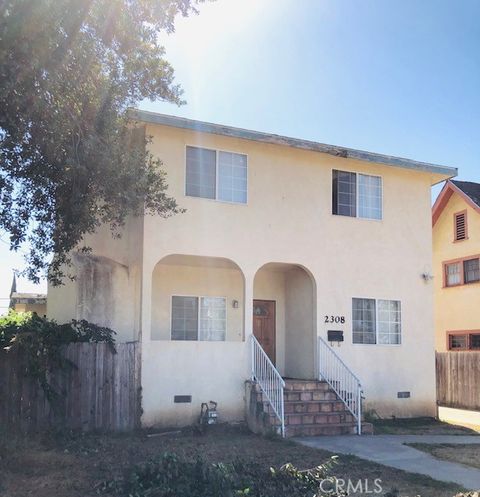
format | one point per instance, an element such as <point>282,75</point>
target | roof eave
<point>204,127</point>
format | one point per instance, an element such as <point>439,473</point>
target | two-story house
<point>456,255</point>
<point>317,251</point>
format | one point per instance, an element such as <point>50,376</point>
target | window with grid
<point>369,197</point>
<point>460,226</point>
<point>364,321</point>
<point>471,270</point>
<point>356,195</point>
<point>199,318</point>
<point>376,321</point>
<point>453,274</point>
<point>389,322</point>
<point>464,341</point>
<point>216,175</point>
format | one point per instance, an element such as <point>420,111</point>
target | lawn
<point>74,465</point>
<point>466,454</point>
<point>418,426</point>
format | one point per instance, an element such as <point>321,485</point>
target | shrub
<point>172,476</point>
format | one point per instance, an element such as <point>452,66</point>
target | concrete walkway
<point>390,450</point>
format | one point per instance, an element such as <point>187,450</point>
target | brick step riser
<point>308,419</point>
<point>319,430</point>
<point>313,407</point>
<point>307,387</point>
<point>304,397</point>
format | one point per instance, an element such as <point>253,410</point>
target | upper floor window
<point>462,272</point>
<point>376,321</point>
<point>460,226</point>
<point>356,195</point>
<point>216,175</point>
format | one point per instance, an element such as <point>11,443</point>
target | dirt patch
<point>73,465</point>
<point>418,426</point>
<point>466,454</point>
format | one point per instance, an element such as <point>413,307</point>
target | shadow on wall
<point>105,294</point>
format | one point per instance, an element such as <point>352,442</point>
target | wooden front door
<point>264,325</point>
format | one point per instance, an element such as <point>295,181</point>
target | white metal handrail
<point>341,379</point>
<point>269,379</point>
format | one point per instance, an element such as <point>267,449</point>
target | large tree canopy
<point>69,70</point>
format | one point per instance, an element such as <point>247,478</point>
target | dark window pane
<point>184,318</point>
<point>472,270</point>
<point>458,342</point>
<point>475,341</point>
<point>200,172</point>
<point>344,193</point>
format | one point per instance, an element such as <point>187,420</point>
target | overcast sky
<point>400,78</point>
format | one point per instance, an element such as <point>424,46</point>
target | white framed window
<point>376,321</point>
<point>357,195</point>
<point>216,175</point>
<point>453,274</point>
<point>198,318</point>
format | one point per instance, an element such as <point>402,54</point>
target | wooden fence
<point>458,380</point>
<point>101,393</point>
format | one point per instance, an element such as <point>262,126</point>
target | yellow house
<point>297,265</point>
<point>456,256</point>
<point>27,302</point>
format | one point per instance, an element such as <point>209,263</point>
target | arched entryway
<point>197,298</point>
<point>284,317</point>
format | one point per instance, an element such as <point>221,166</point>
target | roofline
<point>442,200</point>
<point>245,134</point>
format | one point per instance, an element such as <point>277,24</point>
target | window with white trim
<point>216,175</point>
<point>357,195</point>
<point>376,321</point>
<point>199,318</point>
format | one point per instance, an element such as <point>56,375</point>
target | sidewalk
<point>390,450</point>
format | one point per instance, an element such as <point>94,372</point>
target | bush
<point>172,476</point>
<point>40,341</point>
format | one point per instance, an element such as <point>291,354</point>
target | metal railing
<point>341,379</point>
<point>269,380</point>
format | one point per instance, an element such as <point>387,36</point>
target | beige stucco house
<point>318,251</point>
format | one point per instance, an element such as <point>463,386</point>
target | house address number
<point>335,319</point>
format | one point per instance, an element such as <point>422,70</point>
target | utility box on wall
<point>335,335</point>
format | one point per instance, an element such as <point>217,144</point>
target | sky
<point>400,78</point>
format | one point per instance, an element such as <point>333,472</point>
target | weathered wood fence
<point>458,379</point>
<point>101,393</point>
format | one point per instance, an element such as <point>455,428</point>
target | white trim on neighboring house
<point>216,150</point>
<point>376,322</point>
<point>356,194</point>
<point>198,316</point>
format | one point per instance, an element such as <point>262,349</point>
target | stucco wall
<point>453,306</point>
<point>106,289</point>
<point>169,280</point>
<point>288,219</point>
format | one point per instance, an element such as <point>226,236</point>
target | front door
<point>264,325</point>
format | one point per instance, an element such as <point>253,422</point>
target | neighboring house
<point>295,242</point>
<point>456,255</point>
<point>27,302</point>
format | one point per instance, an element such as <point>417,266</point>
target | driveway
<point>391,451</point>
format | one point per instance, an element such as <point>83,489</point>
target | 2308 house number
<point>335,319</point>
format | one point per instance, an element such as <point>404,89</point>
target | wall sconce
<point>235,304</point>
<point>426,277</point>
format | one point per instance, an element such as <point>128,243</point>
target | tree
<point>69,71</point>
